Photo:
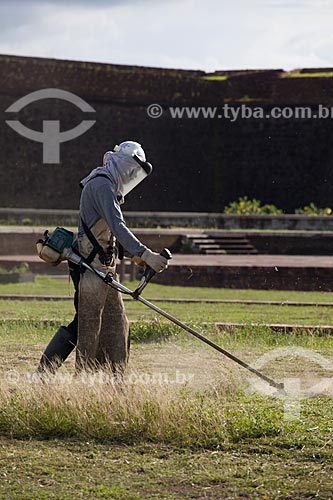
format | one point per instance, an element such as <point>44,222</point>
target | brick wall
<point>200,164</point>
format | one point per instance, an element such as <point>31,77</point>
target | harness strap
<point>104,257</point>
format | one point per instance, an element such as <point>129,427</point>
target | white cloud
<point>190,34</point>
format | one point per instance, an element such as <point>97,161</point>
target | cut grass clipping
<point>91,408</point>
<point>161,410</point>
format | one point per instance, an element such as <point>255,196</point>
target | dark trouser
<point>65,338</point>
<point>103,333</point>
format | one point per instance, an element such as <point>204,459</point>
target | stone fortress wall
<point>200,164</point>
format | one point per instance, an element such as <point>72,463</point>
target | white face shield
<point>135,175</point>
<point>127,169</point>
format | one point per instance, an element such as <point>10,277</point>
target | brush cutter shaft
<point>198,335</point>
<point>123,289</point>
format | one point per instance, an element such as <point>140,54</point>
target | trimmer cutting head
<point>281,390</point>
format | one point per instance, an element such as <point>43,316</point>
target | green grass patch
<point>63,470</point>
<point>299,74</point>
<point>162,291</point>
<point>238,313</point>
<point>62,312</point>
<point>34,310</point>
<point>217,78</point>
<point>45,285</point>
<point>142,443</point>
<point>259,338</point>
<point>42,285</point>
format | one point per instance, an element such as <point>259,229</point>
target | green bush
<point>313,210</point>
<point>152,331</point>
<point>27,221</point>
<point>244,206</point>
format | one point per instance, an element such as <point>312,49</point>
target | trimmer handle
<point>149,273</point>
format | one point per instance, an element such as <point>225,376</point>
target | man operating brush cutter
<point>59,246</point>
<point>100,326</point>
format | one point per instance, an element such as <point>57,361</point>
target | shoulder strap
<point>98,249</point>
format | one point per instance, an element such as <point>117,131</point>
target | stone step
<point>227,245</point>
<point>221,241</point>
<point>237,251</point>
<point>206,244</point>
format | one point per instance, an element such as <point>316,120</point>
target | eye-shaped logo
<point>292,385</point>
<point>50,137</point>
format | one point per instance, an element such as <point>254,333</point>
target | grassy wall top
<point>139,84</point>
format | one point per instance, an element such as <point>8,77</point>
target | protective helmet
<point>130,148</point>
<point>132,170</point>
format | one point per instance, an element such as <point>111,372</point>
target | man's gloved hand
<point>154,260</point>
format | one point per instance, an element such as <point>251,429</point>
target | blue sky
<point>191,34</point>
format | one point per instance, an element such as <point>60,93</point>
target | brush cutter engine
<point>57,246</point>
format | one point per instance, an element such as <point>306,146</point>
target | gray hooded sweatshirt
<point>101,198</point>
